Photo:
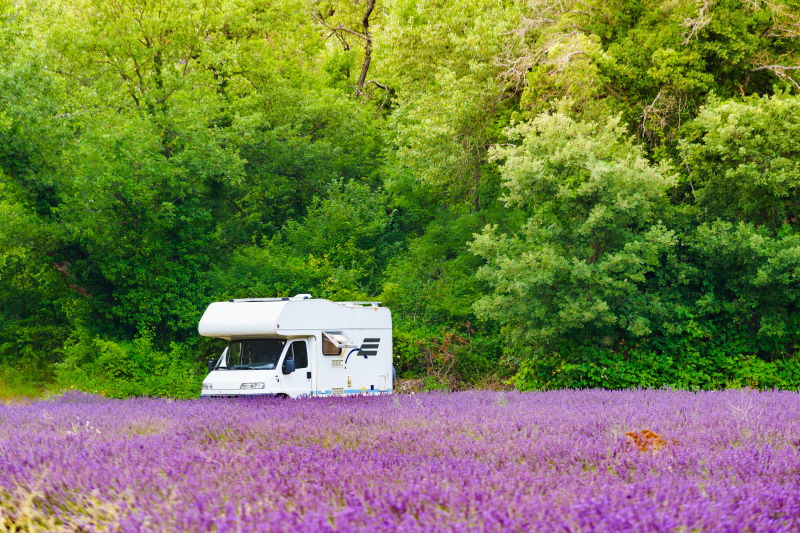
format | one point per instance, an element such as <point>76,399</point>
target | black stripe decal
<point>368,352</point>
<point>372,340</point>
<point>363,346</point>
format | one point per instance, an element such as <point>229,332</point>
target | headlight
<point>207,386</point>
<point>259,385</point>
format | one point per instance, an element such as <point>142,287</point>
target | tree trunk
<point>362,78</point>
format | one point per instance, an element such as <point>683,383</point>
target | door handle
<point>308,375</point>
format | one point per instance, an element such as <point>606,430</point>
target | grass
<point>18,384</point>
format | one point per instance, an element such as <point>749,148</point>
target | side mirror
<point>211,364</point>
<point>288,365</point>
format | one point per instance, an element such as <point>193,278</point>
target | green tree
<point>743,160</point>
<point>297,140</point>
<point>450,101</point>
<point>744,285</point>
<point>139,223</point>
<point>38,293</point>
<point>653,62</point>
<point>338,250</point>
<point>578,270</point>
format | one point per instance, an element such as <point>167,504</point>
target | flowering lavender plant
<point>474,461</point>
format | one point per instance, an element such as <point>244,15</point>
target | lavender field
<point>472,461</point>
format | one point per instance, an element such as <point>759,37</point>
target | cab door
<point>296,382</point>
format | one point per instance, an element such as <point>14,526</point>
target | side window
<point>300,354</point>
<point>329,347</point>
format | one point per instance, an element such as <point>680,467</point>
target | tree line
<point>548,194</point>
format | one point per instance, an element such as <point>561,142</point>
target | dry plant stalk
<point>647,440</point>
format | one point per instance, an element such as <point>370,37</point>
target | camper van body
<point>298,347</point>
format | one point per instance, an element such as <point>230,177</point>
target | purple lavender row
<point>474,461</point>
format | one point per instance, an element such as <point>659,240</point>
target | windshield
<point>262,354</point>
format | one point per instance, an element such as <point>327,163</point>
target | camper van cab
<point>299,346</point>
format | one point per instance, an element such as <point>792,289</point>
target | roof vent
<point>301,297</point>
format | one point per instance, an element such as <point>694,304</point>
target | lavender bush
<point>473,461</point>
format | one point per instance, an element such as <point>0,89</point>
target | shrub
<point>129,368</point>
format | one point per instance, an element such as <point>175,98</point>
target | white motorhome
<point>299,346</point>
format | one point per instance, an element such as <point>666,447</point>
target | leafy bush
<point>450,358</point>
<point>686,365</point>
<point>129,368</point>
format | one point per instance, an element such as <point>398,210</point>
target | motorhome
<point>299,346</point>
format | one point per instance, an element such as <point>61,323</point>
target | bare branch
<point>780,72</point>
<point>649,109</point>
<point>775,67</point>
<point>697,24</point>
<point>386,92</point>
<point>564,60</point>
<point>337,31</point>
<point>69,278</point>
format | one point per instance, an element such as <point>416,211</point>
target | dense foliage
<point>594,461</point>
<point>547,193</point>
